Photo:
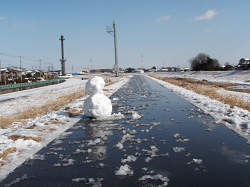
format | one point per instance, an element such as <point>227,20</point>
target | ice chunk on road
<point>148,159</point>
<point>130,158</point>
<point>119,145</point>
<point>177,135</point>
<point>178,149</point>
<point>124,170</point>
<point>79,180</point>
<point>95,142</point>
<point>183,140</point>
<point>135,115</point>
<point>37,157</point>
<point>197,161</point>
<point>165,180</point>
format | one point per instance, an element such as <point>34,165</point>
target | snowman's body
<point>97,105</point>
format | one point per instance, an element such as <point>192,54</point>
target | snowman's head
<point>95,85</point>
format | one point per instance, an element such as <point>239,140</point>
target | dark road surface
<point>173,142</point>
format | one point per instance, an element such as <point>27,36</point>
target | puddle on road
<point>162,141</point>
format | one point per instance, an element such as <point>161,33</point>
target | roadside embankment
<point>26,86</point>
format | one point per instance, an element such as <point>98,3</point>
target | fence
<point>30,84</point>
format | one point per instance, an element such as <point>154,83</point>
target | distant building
<point>139,71</point>
<point>244,63</point>
<point>101,71</point>
<point>184,69</point>
<point>169,69</point>
<point>85,70</point>
<point>14,72</point>
<point>57,72</point>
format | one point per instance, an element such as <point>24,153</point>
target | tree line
<point>203,62</point>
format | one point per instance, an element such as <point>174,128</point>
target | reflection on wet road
<point>162,140</point>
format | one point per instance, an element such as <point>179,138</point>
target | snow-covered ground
<point>21,142</point>
<point>17,101</point>
<point>235,118</point>
<point>47,127</point>
<point>36,91</point>
<point>240,77</point>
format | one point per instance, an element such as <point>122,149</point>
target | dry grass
<point>33,112</point>
<point>73,111</point>
<point>106,90</point>
<point>210,90</point>
<point>22,116</point>
<point>5,153</point>
<point>16,137</point>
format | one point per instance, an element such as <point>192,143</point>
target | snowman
<point>97,105</point>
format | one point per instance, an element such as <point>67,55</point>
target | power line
<point>22,60</point>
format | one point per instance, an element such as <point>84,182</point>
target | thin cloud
<point>208,15</point>
<point>163,18</point>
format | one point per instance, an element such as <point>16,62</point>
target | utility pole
<point>110,30</point>
<point>116,56</point>
<point>62,60</point>
<point>21,67</point>
<point>0,71</point>
<point>142,66</point>
<point>20,61</point>
<point>40,66</point>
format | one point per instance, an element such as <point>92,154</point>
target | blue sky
<point>166,32</point>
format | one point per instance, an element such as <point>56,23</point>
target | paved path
<point>163,139</point>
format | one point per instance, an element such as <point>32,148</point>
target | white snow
<point>130,158</point>
<point>89,181</point>
<point>235,118</point>
<point>178,149</point>
<point>17,101</point>
<point>47,127</point>
<point>55,123</point>
<point>240,77</point>
<point>165,180</point>
<point>97,105</point>
<point>124,170</point>
<point>135,115</point>
<point>197,161</point>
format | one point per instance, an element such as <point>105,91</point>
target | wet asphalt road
<point>163,139</point>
